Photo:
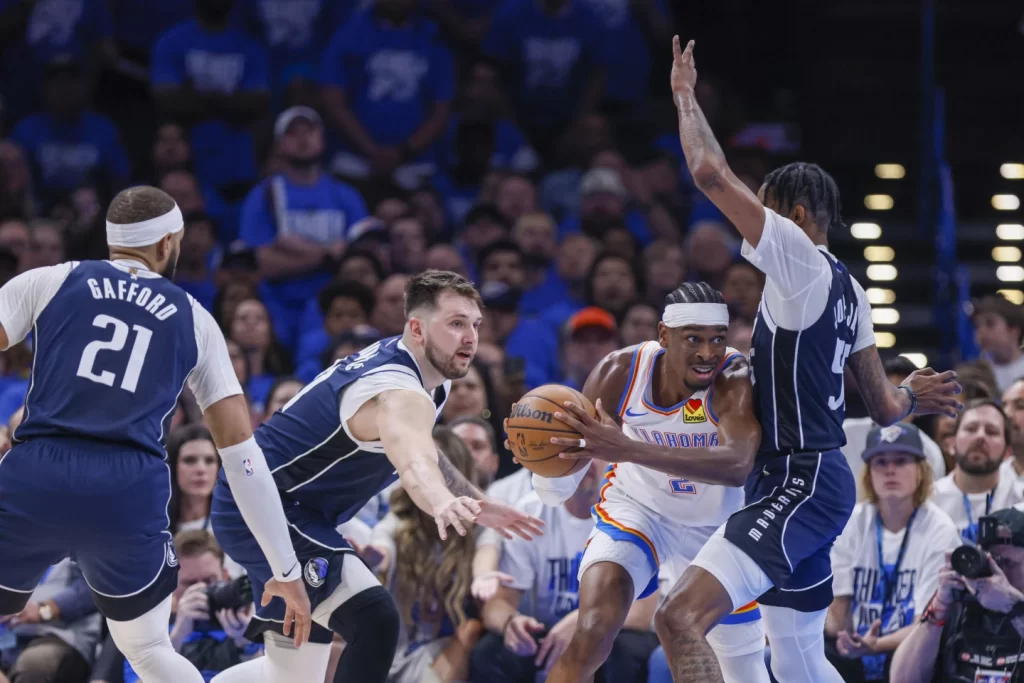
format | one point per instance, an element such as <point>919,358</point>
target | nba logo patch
<point>315,572</point>
<point>693,411</point>
<point>169,555</point>
<point>247,464</point>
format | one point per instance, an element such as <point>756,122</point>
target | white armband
<point>258,499</point>
<point>554,492</point>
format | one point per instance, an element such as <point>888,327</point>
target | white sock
<point>798,645</point>
<point>282,663</point>
<point>146,644</point>
<point>740,652</point>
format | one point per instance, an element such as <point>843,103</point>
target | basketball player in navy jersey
<point>814,321</point>
<point>115,343</point>
<point>360,425</point>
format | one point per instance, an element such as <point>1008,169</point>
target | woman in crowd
<point>250,328</point>
<point>282,391</point>
<point>887,561</point>
<point>194,463</point>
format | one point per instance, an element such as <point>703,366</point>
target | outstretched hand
<point>936,392</point>
<point>602,437</point>
<point>684,69</point>
<point>507,520</point>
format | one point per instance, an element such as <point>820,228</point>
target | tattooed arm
<point>704,155</point>
<point>885,403</point>
<point>457,484</point>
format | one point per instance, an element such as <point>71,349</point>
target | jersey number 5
<point>138,355</point>
<point>838,363</point>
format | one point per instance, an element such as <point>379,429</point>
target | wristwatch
<point>46,612</point>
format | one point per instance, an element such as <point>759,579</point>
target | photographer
<point>973,628</point>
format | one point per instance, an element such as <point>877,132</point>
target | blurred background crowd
<point>322,151</point>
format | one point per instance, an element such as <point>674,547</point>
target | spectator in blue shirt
<point>483,224</point>
<point>343,307</point>
<point>388,87</point>
<point>298,221</point>
<point>216,79</point>
<point>553,54</point>
<point>528,341</point>
<point>537,236</point>
<point>68,144</point>
<point>473,149</point>
<point>604,204</point>
<point>196,260</point>
<point>465,22</point>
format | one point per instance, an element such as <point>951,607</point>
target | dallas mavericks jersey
<point>314,460</point>
<point>113,348</point>
<point>690,424</point>
<point>798,375</point>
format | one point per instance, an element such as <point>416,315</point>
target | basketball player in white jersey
<point>686,443</point>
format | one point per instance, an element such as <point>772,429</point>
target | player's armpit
<point>885,403</point>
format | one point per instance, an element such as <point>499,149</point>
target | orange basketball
<point>532,424</point>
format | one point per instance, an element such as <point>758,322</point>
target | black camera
<point>970,561</point>
<point>231,595</point>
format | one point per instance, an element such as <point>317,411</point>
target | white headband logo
<point>145,233</point>
<point>681,315</point>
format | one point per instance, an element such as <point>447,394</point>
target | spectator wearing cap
<point>388,86</point>
<point>604,205</point>
<point>67,144</point>
<point>213,77</point>
<point>298,220</point>
<point>590,335</point>
<point>197,259</point>
<point>344,306</point>
<point>530,344</point>
<point>998,330</point>
<point>857,428</point>
<point>971,630</point>
<point>887,561</point>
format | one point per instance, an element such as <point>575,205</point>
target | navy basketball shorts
<point>103,505</point>
<point>796,507</point>
<point>320,549</point>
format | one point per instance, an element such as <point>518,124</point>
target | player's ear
<point>798,215</point>
<point>663,335</point>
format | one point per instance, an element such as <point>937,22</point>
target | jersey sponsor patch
<point>693,411</point>
<point>315,572</point>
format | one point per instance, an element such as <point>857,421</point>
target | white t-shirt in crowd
<point>1007,471</point>
<point>510,489</point>
<point>798,278</point>
<point>548,565</point>
<point>856,573</point>
<point>1007,374</point>
<point>948,496</point>
<point>857,429</point>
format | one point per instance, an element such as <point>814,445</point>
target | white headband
<point>145,233</point>
<point>681,315</point>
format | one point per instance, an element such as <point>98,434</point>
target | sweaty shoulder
<point>23,299</point>
<point>608,380</point>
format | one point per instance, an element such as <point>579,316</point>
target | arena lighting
<point>880,297</point>
<point>1005,202</point>
<point>882,272</point>
<point>885,316</point>
<point>918,359</point>
<point>1010,273</point>
<point>1011,171</point>
<point>893,171</point>
<point>885,340</point>
<point>1010,231</point>
<point>876,253</point>
<point>871,231</point>
<point>878,202</point>
<point>1013,295</point>
<point>1006,254</point>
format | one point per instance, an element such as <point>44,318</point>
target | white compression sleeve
<point>257,497</point>
<point>554,492</point>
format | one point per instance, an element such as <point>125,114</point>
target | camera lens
<point>969,562</point>
<point>230,594</point>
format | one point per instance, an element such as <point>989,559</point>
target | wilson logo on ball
<point>693,411</point>
<point>528,412</point>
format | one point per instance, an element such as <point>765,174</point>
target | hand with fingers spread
<point>459,512</point>
<point>555,642</point>
<point>855,646</point>
<point>297,607</point>
<point>507,520</point>
<point>602,437</point>
<point>934,392</point>
<point>486,585</point>
<point>684,69</point>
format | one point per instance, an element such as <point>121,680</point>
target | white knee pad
<point>629,556</point>
<point>146,644</point>
<point>282,663</point>
<point>798,645</point>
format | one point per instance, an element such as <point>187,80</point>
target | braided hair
<point>810,186</point>
<point>694,293</point>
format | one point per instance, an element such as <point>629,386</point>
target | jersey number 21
<point>130,380</point>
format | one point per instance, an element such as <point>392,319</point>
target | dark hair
<point>424,289</point>
<point>810,186</point>
<point>277,385</point>
<point>363,295</point>
<point>900,365</point>
<point>485,211</point>
<point>501,245</point>
<point>375,263</point>
<point>694,293</point>
<point>178,438</point>
<point>277,360</point>
<point>999,305</point>
<point>634,269</point>
<point>137,204</point>
<point>479,422</point>
<point>976,403</point>
<point>197,542</point>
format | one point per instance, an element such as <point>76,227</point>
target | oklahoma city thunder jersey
<point>690,424</point>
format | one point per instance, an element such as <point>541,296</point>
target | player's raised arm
<point>704,155</point>
<point>405,420</point>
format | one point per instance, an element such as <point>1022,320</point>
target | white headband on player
<point>681,315</point>
<point>145,233</point>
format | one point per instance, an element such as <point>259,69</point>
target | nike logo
<point>289,572</point>
<point>630,413</point>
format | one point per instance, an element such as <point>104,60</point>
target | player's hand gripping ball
<point>531,425</point>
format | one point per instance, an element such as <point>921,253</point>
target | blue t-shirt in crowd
<point>511,150</point>
<point>550,292</point>
<point>64,155</point>
<point>140,23</point>
<point>550,58</point>
<point>629,74</point>
<point>223,62</point>
<point>295,31</point>
<point>535,342</point>
<point>55,27</point>
<point>635,222</point>
<point>392,74</point>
